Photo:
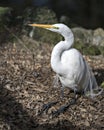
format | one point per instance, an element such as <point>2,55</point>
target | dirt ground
<point>26,83</point>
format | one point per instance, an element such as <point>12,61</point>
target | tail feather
<point>92,89</point>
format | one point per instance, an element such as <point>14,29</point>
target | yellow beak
<point>41,25</point>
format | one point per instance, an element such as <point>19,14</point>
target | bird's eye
<point>56,27</point>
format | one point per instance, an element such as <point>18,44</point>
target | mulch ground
<point>26,83</point>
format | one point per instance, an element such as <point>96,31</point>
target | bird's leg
<point>62,92</point>
<point>65,107</point>
<point>62,109</point>
<point>46,107</point>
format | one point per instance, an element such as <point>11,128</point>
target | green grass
<point>46,36</point>
<point>101,48</point>
<point>53,38</point>
<point>3,10</point>
<point>87,49</point>
<point>102,85</point>
<point>3,19</point>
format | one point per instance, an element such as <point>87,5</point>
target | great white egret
<point>72,69</point>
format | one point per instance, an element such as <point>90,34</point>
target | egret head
<point>58,28</point>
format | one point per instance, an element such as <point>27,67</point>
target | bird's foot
<point>46,107</point>
<point>63,108</point>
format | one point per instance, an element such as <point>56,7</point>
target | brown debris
<point>26,83</point>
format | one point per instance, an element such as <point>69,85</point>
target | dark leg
<point>47,106</point>
<point>64,108</point>
<point>62,93</point>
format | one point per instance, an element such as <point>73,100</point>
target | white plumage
<point>72,69</point>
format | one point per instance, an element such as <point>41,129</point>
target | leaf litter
<point>27,83</point>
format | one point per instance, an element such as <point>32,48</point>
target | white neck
<point>58,51</point>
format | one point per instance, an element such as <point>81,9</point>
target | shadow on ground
<point>13,114</point>
<point>99,76</point>
<point>17,68</point>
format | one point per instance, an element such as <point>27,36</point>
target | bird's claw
<point>63,108</point>
<point>60,110</point>
<point>73,101</point>
<point>47,106</point>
